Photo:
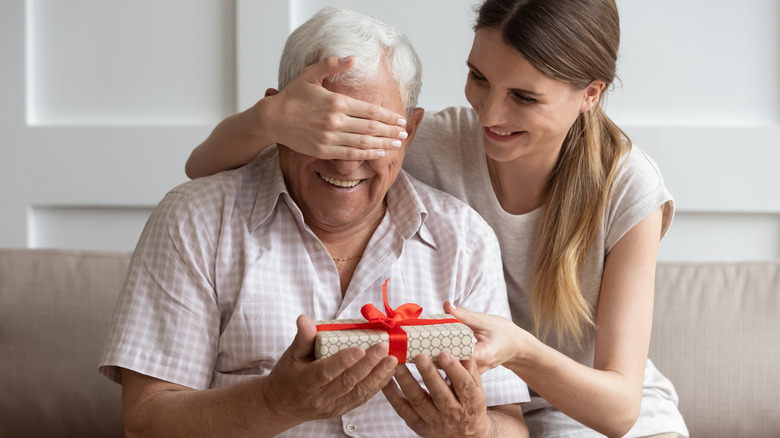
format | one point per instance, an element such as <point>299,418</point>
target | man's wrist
<point>270,401</point>
<point>493,429</point>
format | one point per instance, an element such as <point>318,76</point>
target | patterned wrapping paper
<point>430,340</point>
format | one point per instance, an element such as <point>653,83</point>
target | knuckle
<point>336,103</point>
<point>364,142</point>
<point>331,121</point>
<point>417,400</point>
<point>373,112</point>
<point>325,138</point>
<point>361,393</point>
<point>352,154</point>
<point>373,127</point>
<point>349,380</point>
<point>319,407</point>
<point>322,374</point>
<point>453,417</point>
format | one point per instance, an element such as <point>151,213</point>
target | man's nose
<point>346,167</point>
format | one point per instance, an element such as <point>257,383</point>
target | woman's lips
<point>496,135</point>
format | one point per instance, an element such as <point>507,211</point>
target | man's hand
<point>447,410</point>
<point>301,389</point>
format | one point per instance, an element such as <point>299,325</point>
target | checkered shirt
<point>226,263</point>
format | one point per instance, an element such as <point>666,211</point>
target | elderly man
<point>226,265</point>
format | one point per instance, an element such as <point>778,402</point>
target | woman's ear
<point>271,92</point>
<point>591,95</point>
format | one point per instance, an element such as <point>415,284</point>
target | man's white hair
<point>342,32</point>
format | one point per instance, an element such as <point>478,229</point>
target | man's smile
<point>340,182</point>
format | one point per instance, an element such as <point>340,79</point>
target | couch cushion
<point>55,313</point>
<point>715,335</point>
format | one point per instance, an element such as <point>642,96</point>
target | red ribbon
<point>391,322</point>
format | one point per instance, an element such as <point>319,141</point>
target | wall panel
<point>103,101</point>
<point>139,63</point>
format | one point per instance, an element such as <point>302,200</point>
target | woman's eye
<point>523,99</point>
<point>475,76</point>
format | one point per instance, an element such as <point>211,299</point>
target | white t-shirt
<point>448,154</point>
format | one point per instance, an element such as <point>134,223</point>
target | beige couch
<point>715,335</point>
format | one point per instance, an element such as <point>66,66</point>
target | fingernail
<point>389,365</point>
<point>381,153</point>
<point>444,358</point>
<point>402,135</point>
<point>396,143</point>
<point>347,59</point>
<point>401,122</point>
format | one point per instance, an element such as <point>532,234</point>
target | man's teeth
<point>502,133</point>
<point>339,182</point>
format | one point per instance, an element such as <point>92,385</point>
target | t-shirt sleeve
<point>166,322</point>
<point>639,191</point>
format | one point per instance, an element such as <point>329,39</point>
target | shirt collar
<point>404,205</point>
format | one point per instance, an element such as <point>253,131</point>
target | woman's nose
<point>494,110</point>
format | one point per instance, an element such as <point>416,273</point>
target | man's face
<point>339,195</point>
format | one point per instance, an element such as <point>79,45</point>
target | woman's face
<point>524,114</point>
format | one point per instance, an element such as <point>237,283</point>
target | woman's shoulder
<point>639,164</point>
<point>444,141</point>
<point>455,120</point>
<point>639,190</point>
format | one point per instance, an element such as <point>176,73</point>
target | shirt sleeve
<point>484,278</point>
<point>166,323</point>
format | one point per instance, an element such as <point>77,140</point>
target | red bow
<point>391,322</point>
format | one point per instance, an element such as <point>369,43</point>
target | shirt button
<point>351,428</point>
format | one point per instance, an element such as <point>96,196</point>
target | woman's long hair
<point>576,42</point>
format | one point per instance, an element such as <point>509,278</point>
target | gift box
<point>407,333</point>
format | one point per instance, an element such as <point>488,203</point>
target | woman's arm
<point>306,117</point>
<point>606,397</point>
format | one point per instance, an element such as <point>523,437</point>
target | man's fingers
<point>464,379</point>
<point>440,392</point>
<point>302,346</point>
<point>357,374</point>
<point>400,404</point>
<point>417,397</point>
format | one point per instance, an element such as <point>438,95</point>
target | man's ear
<point>271,92</point>
<point>412,122</point>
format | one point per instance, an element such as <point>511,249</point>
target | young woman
<point>578,209</point>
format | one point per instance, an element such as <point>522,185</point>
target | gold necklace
<point>346,259</point>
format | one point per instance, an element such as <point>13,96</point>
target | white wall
<point>102,102</point>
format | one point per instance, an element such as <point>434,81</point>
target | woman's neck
<point>519,184</point>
